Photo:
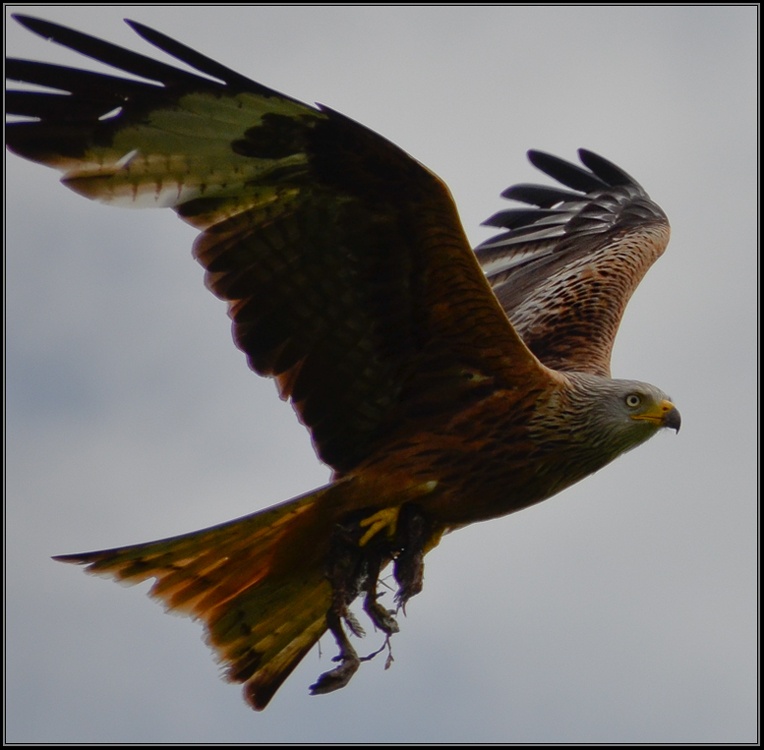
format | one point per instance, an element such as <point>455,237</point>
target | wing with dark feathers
<point>346,270</point>
<point>565,269</point>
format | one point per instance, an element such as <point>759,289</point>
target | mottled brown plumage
<point>443,386</point>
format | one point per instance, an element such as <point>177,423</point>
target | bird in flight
<point>443,385</point>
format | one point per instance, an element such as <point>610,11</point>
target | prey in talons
<point>359,553</point>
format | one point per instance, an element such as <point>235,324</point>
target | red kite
<point>443,385</point>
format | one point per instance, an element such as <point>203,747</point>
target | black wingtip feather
<point>601,195</point>
<point>146,67</point>
<point>605,169</point>
<point>191,57</point>
<point>568,174</point>
<point>37,25</point>
<point>108,53</point>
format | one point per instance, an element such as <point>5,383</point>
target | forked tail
<point>258,587</point>
<point>267,586</point>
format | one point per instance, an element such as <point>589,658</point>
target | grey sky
<point>623,610</point>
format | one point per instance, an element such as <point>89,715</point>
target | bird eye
<point>633,400</point>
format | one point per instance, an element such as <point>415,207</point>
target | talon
<point>387,518</point>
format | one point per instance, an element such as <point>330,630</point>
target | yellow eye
<point>633,400</point>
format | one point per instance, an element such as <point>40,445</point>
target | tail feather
<point>266,631</point>
<point>261,615</point>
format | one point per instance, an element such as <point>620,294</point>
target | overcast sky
<point>623,610</point>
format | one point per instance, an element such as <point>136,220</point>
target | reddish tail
<point>257,584</point>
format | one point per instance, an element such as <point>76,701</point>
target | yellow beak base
<point>664,414</point>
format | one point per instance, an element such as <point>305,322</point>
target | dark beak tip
<point>673,420</point>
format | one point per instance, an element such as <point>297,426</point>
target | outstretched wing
<point>565,268</point>
<point>347,273</point>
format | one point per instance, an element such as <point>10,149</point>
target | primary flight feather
<point>443,385</point>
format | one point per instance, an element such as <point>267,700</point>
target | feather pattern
<point>565,270</point>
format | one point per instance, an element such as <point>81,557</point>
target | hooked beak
<point>664,414</point>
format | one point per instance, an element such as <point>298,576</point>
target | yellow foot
<point>387,518</point>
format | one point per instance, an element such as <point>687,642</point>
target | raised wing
<point>347,273</point>
<point>565,269</point>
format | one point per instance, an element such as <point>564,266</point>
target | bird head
<point>615,416</point>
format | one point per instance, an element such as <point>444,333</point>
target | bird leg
<point>359,551</point>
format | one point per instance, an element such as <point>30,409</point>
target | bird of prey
<point>443,385</point>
